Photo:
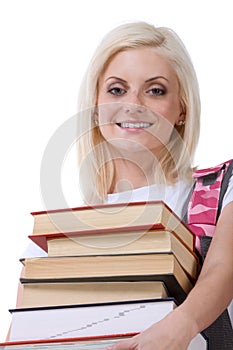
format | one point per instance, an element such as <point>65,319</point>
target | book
<point>200,342</point>
<point>154,267</point>
<point>110,217</point>
<point>53,294</point>
<point>80,343</point>
<point>92,326</point>
<point>87,320</point>
<point>121,242</point>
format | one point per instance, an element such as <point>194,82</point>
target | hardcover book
<point>121,242</point>
<point>200,342</point>
<point>54,294</point>
<point>105,217</point>
<point>138,267</point>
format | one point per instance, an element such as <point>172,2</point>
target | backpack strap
<point>224,186</point>
<point>201,212</point>
<point>204,203</point>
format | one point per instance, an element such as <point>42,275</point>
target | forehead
<point>146,61</point>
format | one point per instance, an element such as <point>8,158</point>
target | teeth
<point>135,125</point>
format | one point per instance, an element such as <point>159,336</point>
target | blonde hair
<point>96,166</point>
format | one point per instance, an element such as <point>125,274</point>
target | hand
<point>170,333</point>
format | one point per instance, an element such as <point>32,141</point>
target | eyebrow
<point>147,81</point>
<point>155,78</point>
<point>117,78</point>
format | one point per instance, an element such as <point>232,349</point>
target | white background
<point>45,48</point>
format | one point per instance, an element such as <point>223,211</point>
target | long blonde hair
<point>96,167</point>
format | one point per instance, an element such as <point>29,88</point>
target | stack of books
<point>111,272</point>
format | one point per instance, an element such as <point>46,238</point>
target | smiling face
<point>138,100</point>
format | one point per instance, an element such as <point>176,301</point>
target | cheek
<point>170,113</point>
<point>106,131</point>
<point>169,109</point>
<point>164,131</point>
<point>108,113</point>
<point>161,132</point>
<point>103,96</point>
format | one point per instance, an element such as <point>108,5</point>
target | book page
<point>69,322</point>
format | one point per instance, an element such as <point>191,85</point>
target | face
<point>138,100</point>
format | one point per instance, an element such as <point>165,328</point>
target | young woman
<point>138,130</point>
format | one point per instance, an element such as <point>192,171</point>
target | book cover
<point>121,242</point>
<point>141,215</point>
<point>139,267</point>
<point>95,343</point>
<point>52,294</point>
<point>87,320</point>
<point>94,332</point>
<point>200,342</point>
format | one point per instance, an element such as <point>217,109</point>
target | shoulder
<point>228,196</point>
<point>216,181</point>
<point>214,169</point>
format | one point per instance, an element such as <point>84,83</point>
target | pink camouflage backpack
<point>205,203</point>
<point>201,212</point>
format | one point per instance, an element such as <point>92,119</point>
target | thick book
<point>105,217</point>
<point>121,242</point>
<point>138,267</point>
<point>54,294</point>
<point>200,342</point>
<point>87,320</point>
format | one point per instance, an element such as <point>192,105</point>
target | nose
<point>134,104</point>
<point>132,108</point>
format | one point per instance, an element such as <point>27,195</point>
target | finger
<point>122,345</point>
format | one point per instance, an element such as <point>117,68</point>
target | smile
<point>131,125</point>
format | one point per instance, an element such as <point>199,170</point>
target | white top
<point>174,196</point>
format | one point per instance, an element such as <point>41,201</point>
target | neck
<point>131,174</point>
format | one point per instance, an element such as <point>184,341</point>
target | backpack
<point>200,213</point>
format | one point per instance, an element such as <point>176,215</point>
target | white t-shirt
<point>174,196</point>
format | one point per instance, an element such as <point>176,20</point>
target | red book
<point>108,218</point>
<point>88,343</point>
<point>73,343</point>
<point>96,325</point>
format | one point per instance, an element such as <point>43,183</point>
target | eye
<point>156,91</point>
<point>116,91</point>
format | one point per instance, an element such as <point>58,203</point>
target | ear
<point>95,116</point>
<point>182,115</point>
<point>181,122</point>
<point>95,111</point>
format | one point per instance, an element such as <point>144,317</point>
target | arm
<point>216,274</point>
<point>212,292</point>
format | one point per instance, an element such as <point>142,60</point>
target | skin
<point>130,87</point>
<point>135,92</point>
<point>145,91</point>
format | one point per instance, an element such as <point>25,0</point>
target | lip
<point>134,125</point>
